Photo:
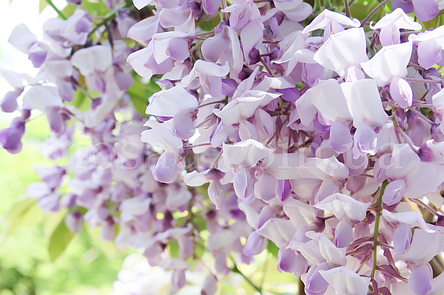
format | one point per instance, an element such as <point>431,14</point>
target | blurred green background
<point>87,266</point>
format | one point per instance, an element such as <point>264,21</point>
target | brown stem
<point>347,8</point>
<point>301,287</point>
<point>369,16</point>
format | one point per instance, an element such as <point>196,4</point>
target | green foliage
<point>87,265</point>
<point>95,7</point>
<point>273,249</point>
<point>173,248</point>
<point>69,10</point>
<point>24,212</point>
<point>80,101</point>
<point>59,240</point>
<point>140,92</point>
<point>361,8</point>
<point>107,248</point>
<point>211,24</point>
<point>42,5</point>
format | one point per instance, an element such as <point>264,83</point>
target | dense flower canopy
<point>268,122</point>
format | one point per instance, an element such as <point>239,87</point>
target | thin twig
<point>422,116</point>
<point>266,66</point>
<point>217,159</point>
<point>376,232</point>
<point>427,207</point>
<point>236,270</point>
<point>369,16</point>
<point>407,139</point>
<point>83,90</point>
<point>59,12</point>
<point>423,80</point>
<point>106,19</point>
<point>347,8</point>
<point>197,145</point>
<point>225,15</point>
<point>210,103</point>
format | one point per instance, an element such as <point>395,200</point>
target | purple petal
<point>266,187</point>
<point>288,261</point>
<point>401,92</point>
<point>209,286</point>
<point>425,10</point>
<point>420,280</point>
<point>178,49</point>
<point>394,192</point>
<point>220,263</point>
<point>405,5</point>
<point>213,48</point>
<point>216,194</point>
<point>37,58</point>
<point>9,102</point>
<point>10,138</point>
<point>242,183</point>
<point>402,236</point>
<point>55,120</point>
<point>315,283</point>
<point>255,244</point>
<point>340,138</point>
<point>429,53</point>
<point>167,167</point>
<point>365,141</point>
<point>178,281</point>
<point>210,6</point>
<point>290,94</point>
<point>343,234</point>
<point>22,38</point>
<point>183,126</point>
<point>123,80</point>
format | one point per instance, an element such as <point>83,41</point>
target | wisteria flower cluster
<point>276,123</point>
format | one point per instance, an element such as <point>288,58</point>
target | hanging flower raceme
<point>226,129</point>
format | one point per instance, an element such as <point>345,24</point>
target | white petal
<point>391,61</point>
<point>328,98</point>
<point>364,103</point>
<point>172,101</point>
<point>343,50</point>
<point>345,281</point>
<point>93,58</point>
<point>343,206</point>
<point>42,97</point>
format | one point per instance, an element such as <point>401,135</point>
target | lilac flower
<point>343,50</point>
<point>77,27</point>
<point>389,26</point>
<point>424,10</point>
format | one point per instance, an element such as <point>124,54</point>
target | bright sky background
<point>12,14</point>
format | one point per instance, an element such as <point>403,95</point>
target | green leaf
<point>425,111</point>
<point>209,25</point>
<point>361,8</point>
<point>140,92</point>
<point>433,23</point>
<point>273,249</point>
<point>106,247</point>
<point>80,101</point>
<point>69,10</point>
<point>173,248</point>
<point>60,239</point>
<point>199,251</point>
<point>24,212</point>
<point>52,220</point>
<point>42,5</point>
<point>329,6</point>
<point>95,7</point>
<point>200,223</point>
<point>20,207</point>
